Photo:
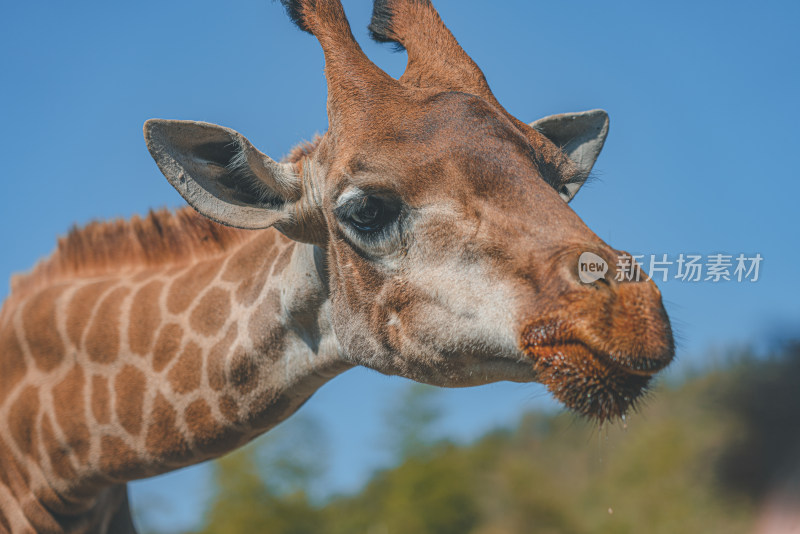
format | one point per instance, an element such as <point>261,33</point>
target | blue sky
<point>703,99</point>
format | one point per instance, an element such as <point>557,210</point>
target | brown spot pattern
<point>102,341</point>
<point>5,526</point>
<point>216,359</point>
<point>185,375</point>
<point>39,320</point>
<point>250,266</point>
<point>21,418</point>
<point>282,260</point>
<point>164,439</point>
<point>186,287</point>
<point>80,309</point>
<point>209,435</point>
<point>229,408</point>
<point>143,275</point>
<point>68,407</point>
<point>117,460</point>
<point>211,312</point>
<point>249,258</point>
<point>249,290</point>
<point>12,363</point>
<point>101,400</point>
<point>269,409</point>
<point>12,475</point>
<point>264,329</point>
<point>167,345</point>
<point>59,459</point>
<point>129,386</point>
<point>243,371</point>
<point>145,317</point>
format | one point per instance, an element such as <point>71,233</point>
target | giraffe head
<point>450,251</point>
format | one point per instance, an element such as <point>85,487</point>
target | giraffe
<point>426,234</point>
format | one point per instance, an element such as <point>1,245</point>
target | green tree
<point>411,420</point>
<point>264,487</point>
<point>701,457</point>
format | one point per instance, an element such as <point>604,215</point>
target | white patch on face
<point>469,320</point>
<point>459,330</point>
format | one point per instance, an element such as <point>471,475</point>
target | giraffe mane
<point>163,237</point>
<point>302,150</point>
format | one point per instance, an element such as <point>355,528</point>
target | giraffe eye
<point>368,214</point>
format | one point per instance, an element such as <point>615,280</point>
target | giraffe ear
<point>580,136</point>
<point>221,174</point>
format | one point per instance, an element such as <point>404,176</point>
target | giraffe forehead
<point>455,145</point>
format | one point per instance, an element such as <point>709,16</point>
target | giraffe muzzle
<point>598,354</point>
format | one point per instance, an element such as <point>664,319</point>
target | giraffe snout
<point>601,335</point>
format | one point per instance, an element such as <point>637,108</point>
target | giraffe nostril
<point>606,282</point>
<point>593,270</point>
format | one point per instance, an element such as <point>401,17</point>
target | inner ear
<point>221,174</point>
<point>581,136</point>
<point>219,152</point>
<point>233,177</point>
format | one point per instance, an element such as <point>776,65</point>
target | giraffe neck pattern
<point>127,375</point>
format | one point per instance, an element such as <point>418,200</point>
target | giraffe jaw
<point>594,383</point>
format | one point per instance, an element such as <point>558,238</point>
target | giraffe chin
<point>586,381</point>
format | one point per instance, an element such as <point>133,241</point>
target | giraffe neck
<point>109,379</point>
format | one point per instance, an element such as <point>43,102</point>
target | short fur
<point>294,8</point>
<point>436,60</point>
<point>380,26</point>
<point>302,150</point>
<point>310,15</point>
<point>162,237</point>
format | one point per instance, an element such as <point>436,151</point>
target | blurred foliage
<point>699,457</point>
<point>411,420</point>
<point>266,486</point>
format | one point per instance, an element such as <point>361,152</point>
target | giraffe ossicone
<point>427,234</point>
